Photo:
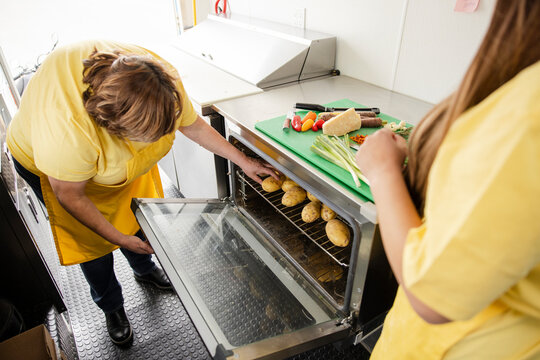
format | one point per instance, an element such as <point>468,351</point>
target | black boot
<point>157,278</point>
<point>119,327</point>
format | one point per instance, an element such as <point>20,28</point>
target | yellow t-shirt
<point>52,133</point>
<point>476,258</point>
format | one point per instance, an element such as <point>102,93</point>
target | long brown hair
<point>132,96</point>
<point>511,44</point>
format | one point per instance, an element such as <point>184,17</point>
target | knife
<point>321,108</point>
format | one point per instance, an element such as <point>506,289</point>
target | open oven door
<point>243,301</point>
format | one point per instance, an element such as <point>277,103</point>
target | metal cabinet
<point>197,172</point>
<point>28,261</point>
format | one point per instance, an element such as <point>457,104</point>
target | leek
<point>337,151</point>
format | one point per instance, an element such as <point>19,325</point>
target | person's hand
<point>381,152</point>
<point>254,167</point>
<point>135,244</point>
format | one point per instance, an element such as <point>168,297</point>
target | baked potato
<point>327,214</point>
<point>311,197</point>
<point>287,185</point>
<point>294,196</point>
<point>338,232</point>
<point>311,212</point>
<point>270,184</point>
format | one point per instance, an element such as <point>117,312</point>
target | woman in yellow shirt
<point>93,122</point>
<point>460,228</point>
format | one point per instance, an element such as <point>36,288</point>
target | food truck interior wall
<point>419,48</point>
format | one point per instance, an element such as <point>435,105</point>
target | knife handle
<point>375,110</point>
<point>313,107</point>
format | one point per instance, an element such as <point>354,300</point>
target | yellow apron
<point>75,243</point>
<point>407,336</point>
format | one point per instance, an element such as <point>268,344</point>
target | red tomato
<point>317,125</point>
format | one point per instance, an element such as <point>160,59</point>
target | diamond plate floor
<point>162,329</point>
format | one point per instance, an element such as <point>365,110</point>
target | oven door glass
<point>240,298</point>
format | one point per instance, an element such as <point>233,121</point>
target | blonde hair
<point>132,96</point>
<point>510,45</point>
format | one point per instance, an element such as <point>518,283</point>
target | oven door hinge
<point>350,320</point>
<point>347,321</point>
<point>227,199</point>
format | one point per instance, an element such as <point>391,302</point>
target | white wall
<point>27,27</point>
<point>438,46</point>
<point>420,48</point>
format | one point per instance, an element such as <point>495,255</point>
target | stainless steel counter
<point>243,113</point>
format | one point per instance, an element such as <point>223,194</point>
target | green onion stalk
<point>338,152</point>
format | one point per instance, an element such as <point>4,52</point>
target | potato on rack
<point>311,212</point>
<point>327,214</point>
<point>288,184</point>
<point>294,196</point>
<point>311,197</point>
<point>338,233</point>
<point>270,184</point>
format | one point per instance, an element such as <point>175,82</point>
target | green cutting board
<point>300,143</point>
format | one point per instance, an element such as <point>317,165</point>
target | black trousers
<point>99,273</point>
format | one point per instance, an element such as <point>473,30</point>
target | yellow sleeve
<point>481,233</point>
<point>62,150</point>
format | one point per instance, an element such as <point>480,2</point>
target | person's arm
<point>206,136</point>
<point>380,159</point>
<point>72,197</point>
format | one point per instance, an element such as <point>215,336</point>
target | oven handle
<point>299,341</point>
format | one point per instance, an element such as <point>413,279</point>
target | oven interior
<point>306,245</point>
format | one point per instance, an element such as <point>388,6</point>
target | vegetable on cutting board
<point>371,122</point>
<point>343,123</point>
<point>400,129</point>
<point>296,123</point>
<point>317,125</point>
<point>309,116</point>
<point>307,125</point>
<point>335,150</point>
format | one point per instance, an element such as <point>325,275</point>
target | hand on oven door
<point>380,153</point>
<point>253,167</point>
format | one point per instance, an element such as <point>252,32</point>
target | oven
<point>255,279</point>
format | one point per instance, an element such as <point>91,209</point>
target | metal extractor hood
<point>262,53</point>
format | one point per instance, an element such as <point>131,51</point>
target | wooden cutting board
<point>300,143</point>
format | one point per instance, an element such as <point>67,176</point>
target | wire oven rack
<point>314,231</point>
